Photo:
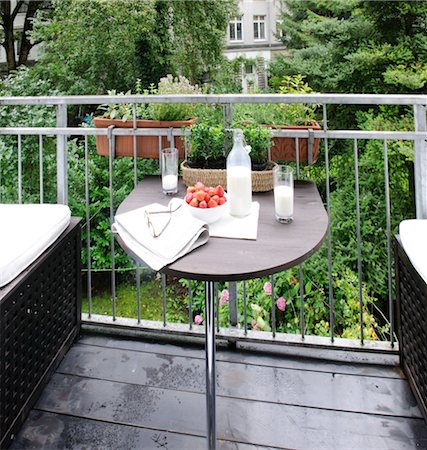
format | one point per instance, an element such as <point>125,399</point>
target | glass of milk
<point>169,170</point>
<point>283,193</point>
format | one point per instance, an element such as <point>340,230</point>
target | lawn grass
<point>151,302</point>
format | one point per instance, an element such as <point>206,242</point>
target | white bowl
<point>208,215</point>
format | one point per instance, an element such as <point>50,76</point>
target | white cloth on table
<point>182,234</point>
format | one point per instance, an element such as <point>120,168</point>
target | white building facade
<point>255,35</point>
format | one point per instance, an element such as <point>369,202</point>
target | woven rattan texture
<point>36,320</point>
<point>262,181</point>
<point>412,297</point>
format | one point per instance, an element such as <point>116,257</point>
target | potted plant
<point>206,157</point>
<point>285,117</point>
<point>206,143</point>
<point>260,140</point>
<point>164,115</point>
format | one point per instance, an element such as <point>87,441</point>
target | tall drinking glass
<point>169,167</point>
<point>283,193</point>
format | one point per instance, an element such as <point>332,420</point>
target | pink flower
<point>267,288</point>
<point>281,303</point>
<point>198,320</point>
<point>224,297</point>
<point>254,325</point>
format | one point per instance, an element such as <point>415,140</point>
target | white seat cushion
<point>26,231</point>
<point>413,234</point>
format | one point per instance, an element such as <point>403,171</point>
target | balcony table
<point>278,247</point>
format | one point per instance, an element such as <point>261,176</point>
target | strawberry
<point>203,204</point>
<point>216,198</point>
<point>222,200</point>
<point>219,191</point>
<point>199,186</point>
<point>207,197</point>
<point>212,204</point>
<point>200,195</point>
<point>191,189</point>
<point>188,197</point>
<point>194,203</point>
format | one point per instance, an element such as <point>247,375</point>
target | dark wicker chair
<point>411,315</point>
<point>39,320</point>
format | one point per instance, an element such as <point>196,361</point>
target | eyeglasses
<point>150,224</point>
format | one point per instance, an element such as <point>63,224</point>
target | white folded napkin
<point>237,227</point>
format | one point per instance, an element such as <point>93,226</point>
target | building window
<point>235,28</point>
<point>259,27</point>
<point>249,68</point>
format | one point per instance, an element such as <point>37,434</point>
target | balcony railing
<point>61,132</point>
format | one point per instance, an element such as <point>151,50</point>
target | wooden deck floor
<point>113,393</point>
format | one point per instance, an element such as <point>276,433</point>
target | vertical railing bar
<point>359,239</point>
<point>245,319</point>
<point>232,303</point>
<point>135,182</point>
<point>301,295</point>
<point>111,138</point>
<point>19,169</point>
<point>185,146</point>
<point>164,298</point>
<point>273,308</point>
<point>41,168</point>
<point>297,155</point>
<point>328,207</point>
<point>89,259</point>
<point>138,293</point>
<point>135,162</point>
<point>228,121</point>
<point>216,305</point>
<point>61,155</point>
<point>388,220</point>
<point>190,304</point>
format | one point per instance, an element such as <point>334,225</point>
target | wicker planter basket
<point>262,181</point>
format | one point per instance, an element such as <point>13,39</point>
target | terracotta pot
<point>146,146</point>
<point>284,148</point>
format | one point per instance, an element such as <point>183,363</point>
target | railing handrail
<point>222,99</point>
<point>292,133</point>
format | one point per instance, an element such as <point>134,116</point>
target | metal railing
<point>62,133</point>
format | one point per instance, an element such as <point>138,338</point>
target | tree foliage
<point>96,45</point>
<point>356,46</point>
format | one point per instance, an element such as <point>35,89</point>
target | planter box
<point>262,181</point>
<point>284,148</point>
<point>146,146</point>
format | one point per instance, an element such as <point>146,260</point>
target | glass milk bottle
<point>239,181</point>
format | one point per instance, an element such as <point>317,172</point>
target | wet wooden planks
<point>143,390</point>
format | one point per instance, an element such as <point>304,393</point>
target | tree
<point>96,45</point>
<point>90,46</point>
<point>8,15</point>
<point>356,46</point>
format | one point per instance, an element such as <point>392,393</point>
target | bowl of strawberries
<point>206,203</point>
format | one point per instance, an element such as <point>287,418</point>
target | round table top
<point>277,247</point>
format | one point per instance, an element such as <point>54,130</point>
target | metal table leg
<point>210,364</point>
